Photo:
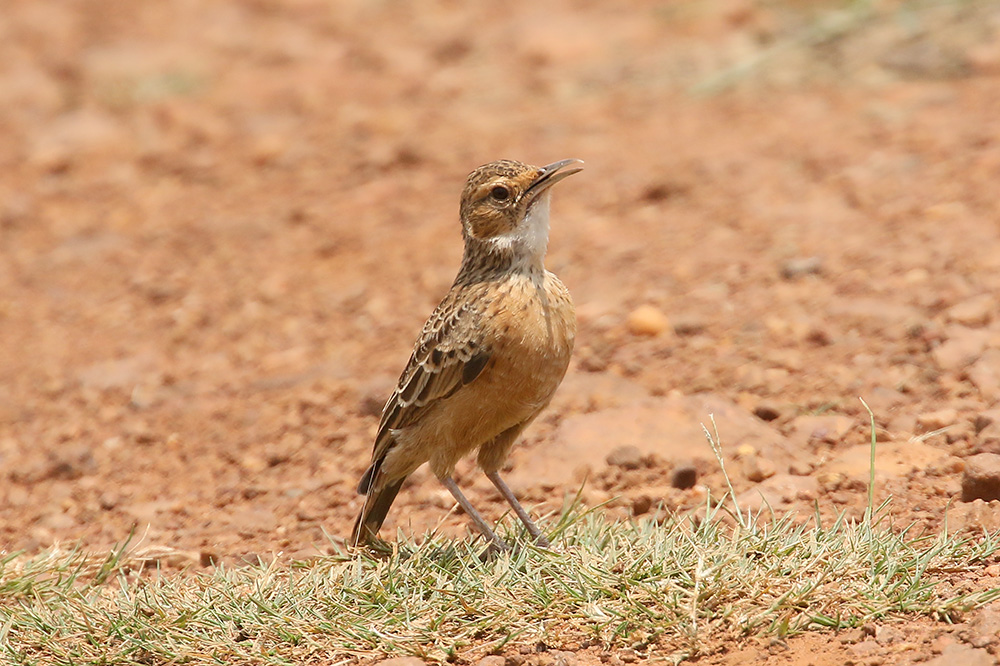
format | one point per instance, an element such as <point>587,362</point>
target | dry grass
<point>670,589</point>
<point>663,589</point>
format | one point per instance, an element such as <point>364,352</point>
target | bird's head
<point>505,205</point>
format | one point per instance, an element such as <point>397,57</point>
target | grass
<point>673,590</point>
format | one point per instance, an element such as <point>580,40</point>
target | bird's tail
<point>373,512</point>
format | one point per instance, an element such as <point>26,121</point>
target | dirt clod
<point>981,479</point>
<point>936,420</point>
<point>684,476</point>
<point>962,654</point>
<point>626,457</point>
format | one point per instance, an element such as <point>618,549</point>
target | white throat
<point>531,238</point>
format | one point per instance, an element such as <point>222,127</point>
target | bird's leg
<point>508,495</point>
<point>496,543</point>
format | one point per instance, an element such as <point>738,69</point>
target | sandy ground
<point>222,225</point>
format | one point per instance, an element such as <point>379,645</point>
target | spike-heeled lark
<point>489,357</point>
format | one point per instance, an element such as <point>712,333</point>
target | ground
<point>222,225</point>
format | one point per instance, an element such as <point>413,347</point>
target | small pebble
<point>758,469</point>
<point>767,411</point>
<point>626,457</point>
<point>796,268</point>
<point>799,468</point>
<point>689,325</point>
<point>886,635</point>
<point>647,320</point>
<point>641,504</point>
<point>982,422</point>
<point>684,476</point>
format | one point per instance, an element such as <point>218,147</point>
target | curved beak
<point>550,174</point>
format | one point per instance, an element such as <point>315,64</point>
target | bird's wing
<point>450,354</point>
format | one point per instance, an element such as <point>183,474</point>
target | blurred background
<point>223,223</point>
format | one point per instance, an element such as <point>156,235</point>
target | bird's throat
<point>521,250</point>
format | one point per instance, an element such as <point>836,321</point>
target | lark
<point>489,357</point>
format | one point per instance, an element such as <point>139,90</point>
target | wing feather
<point>449,355</point>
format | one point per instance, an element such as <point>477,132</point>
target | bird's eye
<point>500,193</point>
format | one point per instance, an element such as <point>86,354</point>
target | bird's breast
<point>533,327</point>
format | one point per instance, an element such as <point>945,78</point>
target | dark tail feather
<point>373,514</point>
<point>368,478</point>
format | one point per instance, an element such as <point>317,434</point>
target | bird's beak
<point>551,174</point>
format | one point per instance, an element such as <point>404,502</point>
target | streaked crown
<point>498,196</point>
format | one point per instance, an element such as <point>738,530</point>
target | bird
<point>490,356</point>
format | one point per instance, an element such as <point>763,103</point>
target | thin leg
<point>496,543</point>
<point>508,495</point>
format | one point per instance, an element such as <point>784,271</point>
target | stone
<point>957,653</point>
<point>864,648</point>
<point>758,469</point>
<point>830,428</point>
<point>936,420</point>
<point>778,492</point>
<point>684,476</point>
<point>647,320</point>
<point>976,516</point>
<point>984,629</point>
<point>981,479</point>
<point>961,348</point>
<point>800,468</point>
<point>492,660</point>
<point>689,325</point>
<point>626,457</point>
<point>882,400</point>
<point>985,375</point>
<point>767,411</point>
<point>892,459</point>
<point>563,658</point>
<point>986,420</point>
<point>974,312</point>
<point>887,634</point>
<point>641,504</point>
<point>801,266</point>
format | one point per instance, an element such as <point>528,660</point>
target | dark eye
<point>500,193</point>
